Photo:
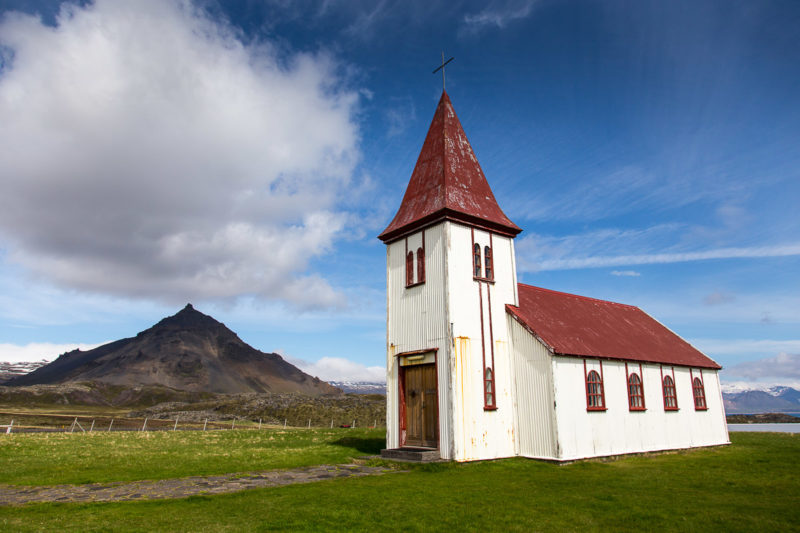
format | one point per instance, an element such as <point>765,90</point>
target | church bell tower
<point>450,272</point>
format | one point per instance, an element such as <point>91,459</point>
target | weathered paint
<point>533,383</point>
<point>618,430</point>
<point>447,183</point>
<point>581,326</point>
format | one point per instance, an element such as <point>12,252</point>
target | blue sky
<point>243,156</point>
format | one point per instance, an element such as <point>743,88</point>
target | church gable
<point>575,325</point>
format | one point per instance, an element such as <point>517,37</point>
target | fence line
<point>148,424</point>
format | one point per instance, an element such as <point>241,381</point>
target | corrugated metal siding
<point>533,377</point>
<point>417,320</point>
<point>619,430</point>
<point>478,433</point>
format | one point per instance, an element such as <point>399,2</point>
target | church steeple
<point>448,183</point>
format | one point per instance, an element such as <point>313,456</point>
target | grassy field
<point>52,458</point>
<point>752,485</point>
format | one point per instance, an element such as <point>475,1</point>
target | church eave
<point>391,235</point>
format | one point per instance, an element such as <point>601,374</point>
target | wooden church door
<point>422,406</point>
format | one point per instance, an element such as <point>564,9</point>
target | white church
<point>481,367</point>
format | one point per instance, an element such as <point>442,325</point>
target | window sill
<point>490,408</point>
<point>701,408</point>
<point>485,280</point>
<point>671,409</point>
<point>597,408</point>
<point>415,284</point>
<point>637,409</point>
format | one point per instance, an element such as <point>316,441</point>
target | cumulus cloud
<point>146,151</point>
<point>339,369</point>
<point>36,351</point>
<point>784,366</point>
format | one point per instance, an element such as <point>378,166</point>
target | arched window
<point>699,395</point>
<point>410,268</point>
<point>488,389</point>
<point>420,265</point>
<point>635,392</point>
<point>595,398</point>
<point>476,260</point>
<point>670,397</point>
<point>487,258</point>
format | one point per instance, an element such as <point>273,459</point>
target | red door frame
<point>401,392</point>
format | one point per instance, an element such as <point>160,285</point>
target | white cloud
<point>629,273</point>
<point>498,14</point>
<point>718,298</point>
<point>36,351</point>
<point>542,252</point>
<point>145,151</point>
<point>339,369</point>
<point>784,366</point>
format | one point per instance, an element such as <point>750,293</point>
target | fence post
<point>233,423</point>
<point>8,429</point>
<point>204,424</point>
<point>145,424</point>
<point>284,423</point>
<point>72,427</point>
<point>176,424</point>
<point>259,423</point>
<point>92,428</point>
<point>110,424</point>
<point>375,423</point>
<point>354,424</point>
<point>331,423</point>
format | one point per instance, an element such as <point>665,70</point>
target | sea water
<point>780,428</point>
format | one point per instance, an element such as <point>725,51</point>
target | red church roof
<point>580,326</point>
<point>447,183</point>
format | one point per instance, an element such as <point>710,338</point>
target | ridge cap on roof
<point>580,296</point>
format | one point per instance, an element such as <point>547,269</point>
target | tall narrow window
<point>420,265</point>
<point>476,260</point>
<point>670,397</point>
<point>488,389</point>
<point>594,392</point>
<point>699,395</point>
<point>487,259</point>
<point>410,268</point>
<point>635,392</point>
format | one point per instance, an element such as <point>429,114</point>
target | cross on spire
<point>441,67</point>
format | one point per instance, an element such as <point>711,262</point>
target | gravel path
<point>180,487</point>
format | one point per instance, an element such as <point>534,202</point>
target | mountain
<point>772,400</point>
<point>187,351</point>
<point>11,370</point>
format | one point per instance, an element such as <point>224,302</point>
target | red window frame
<point>595,392</point>
<point>669,391</point>
<point>476,260</point>
<point>409,269</point>
<point>488,263</point>
<point>635,389</point>
<point>489,392</point>
<point>420,265</point>
<point>698,392</point>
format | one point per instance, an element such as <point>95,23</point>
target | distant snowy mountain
<point>776,399</point>
<point>361,387</point>
<point>11,370</point>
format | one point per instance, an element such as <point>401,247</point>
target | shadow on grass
<point>368,445</point>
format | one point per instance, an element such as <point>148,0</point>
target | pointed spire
<point>447,183</point>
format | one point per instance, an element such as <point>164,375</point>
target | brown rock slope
<point>187,351</point>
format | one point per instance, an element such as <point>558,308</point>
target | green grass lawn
<point>52,458</point>
<point>752,485</point>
